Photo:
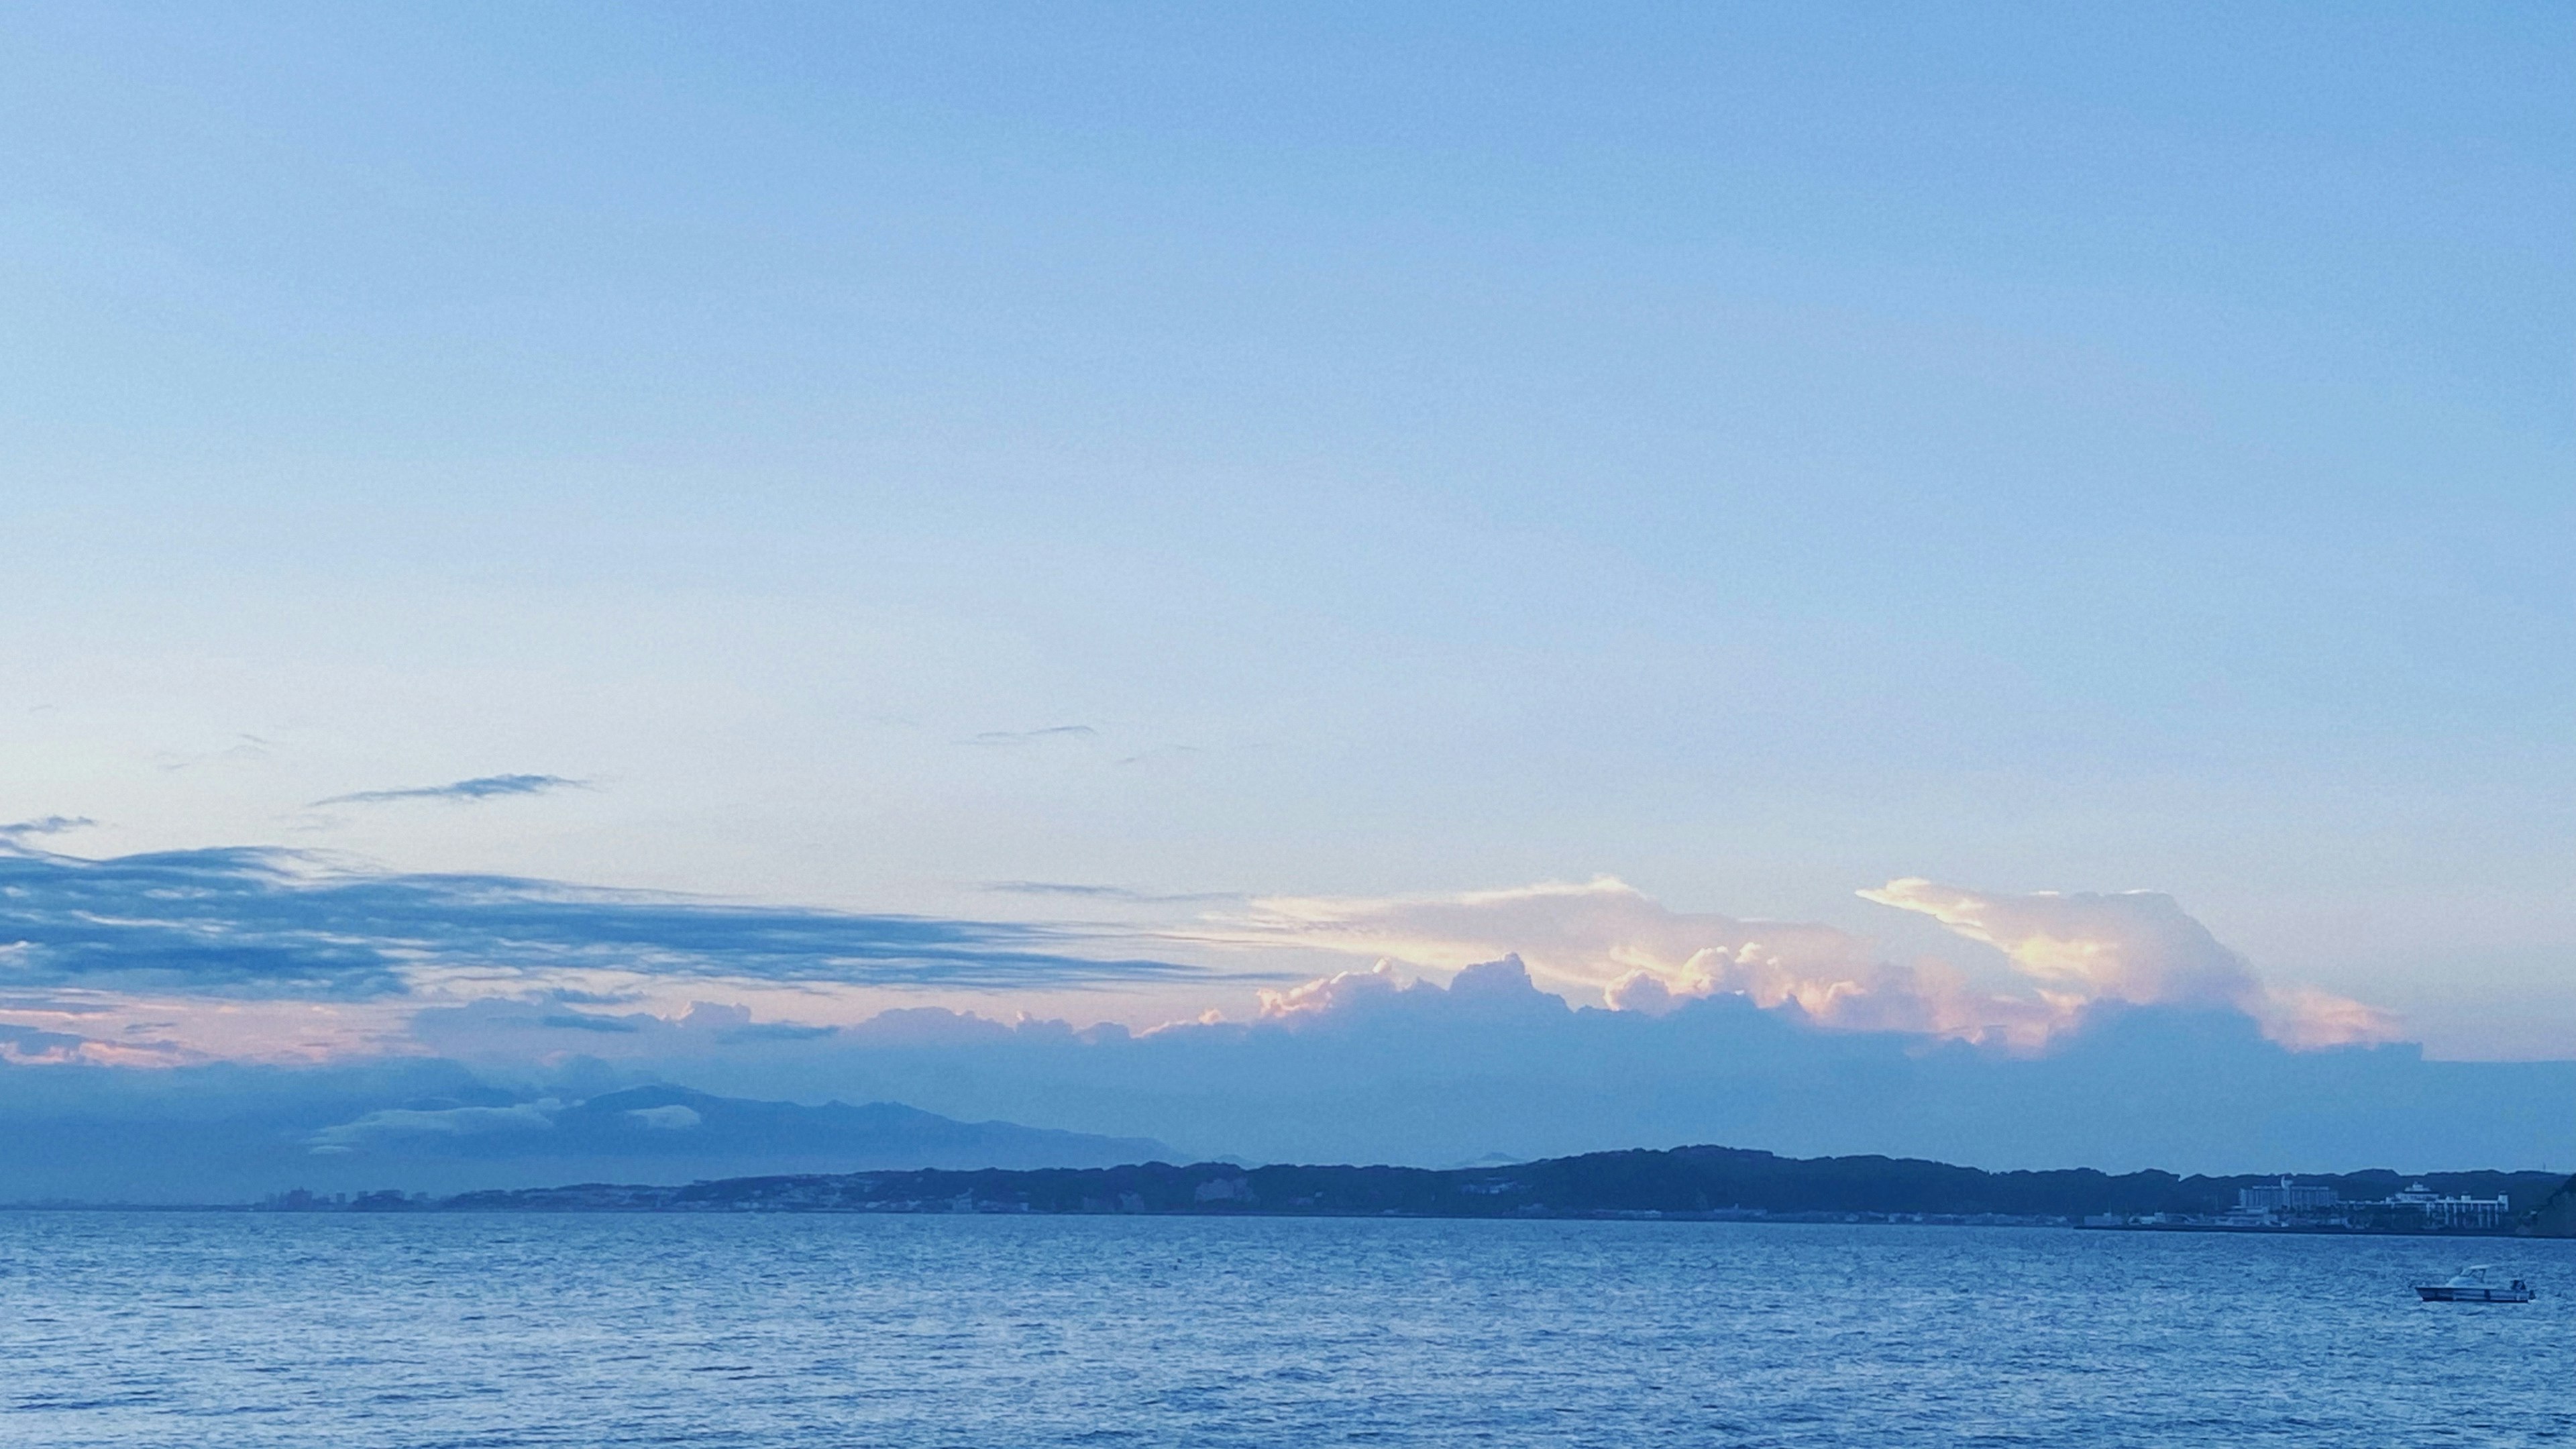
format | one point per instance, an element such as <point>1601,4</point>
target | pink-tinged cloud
<point>2138,947</point>
<point>1489,985</point>
<point>1606,937</point>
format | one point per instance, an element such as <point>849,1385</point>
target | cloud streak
<point>437,1121</point>
<point>1124,894</point>
<point>482,787</point>
<point>274,924</point>
<point>1031,737</point>
<point>44,825</point>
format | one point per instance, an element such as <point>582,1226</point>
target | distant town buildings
<point>302,1201</point>
<point>2289,1203</point>
<point>2287,1198</point>
<point>2451,1212</point>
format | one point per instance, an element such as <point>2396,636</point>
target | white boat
<point>2470,1285</point>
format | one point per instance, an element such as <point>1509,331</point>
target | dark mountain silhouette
<point>1683,1182</point>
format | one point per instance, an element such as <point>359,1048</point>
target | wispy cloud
<point>1130,894</point>
<point>243,747</point>
<point>584,1021</point>
<point>275,924</point>
<point>44,825</point>
<point>1030,737</point>
<point>482,787</point>
<point>1161,753</point>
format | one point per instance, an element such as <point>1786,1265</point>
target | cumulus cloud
<point>2133,946</point>
<point>1373,1068</point>
<point>26,1045</point>
<point>485,787</point>
<point>1376,1065</point>
<point>1588,934</point>
<point>271,924</point>
<point>1607,940</point>
<point>1489,988</point>
<point>1606,937</point>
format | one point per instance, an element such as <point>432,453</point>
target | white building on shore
<point>2453,1212</point>
<point>2285,1199</point>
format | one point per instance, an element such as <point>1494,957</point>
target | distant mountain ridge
<point>676,1123</point>
<point>1686,1182</point>
<point>443,1133</point>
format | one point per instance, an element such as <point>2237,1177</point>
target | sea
<point>248,1330</point>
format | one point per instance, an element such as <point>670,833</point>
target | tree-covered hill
<point>1681,1182</point>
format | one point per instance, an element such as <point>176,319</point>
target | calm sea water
<point>242,1331</point>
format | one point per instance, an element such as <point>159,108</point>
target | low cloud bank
<point>1369,1066</point>
<point>2077,953</point>
<point>1365,1066</point>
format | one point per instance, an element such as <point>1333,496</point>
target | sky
<point>1205,488</point>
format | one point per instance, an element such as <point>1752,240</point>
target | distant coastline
<point>1685,1183</point>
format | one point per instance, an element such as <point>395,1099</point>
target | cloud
<point>276,924</point>
<point>1589,933</point>
<point>1375,1066</point>
<point>1604,936</point>
<point>584,1021</point>
<point>1488,988</point>
<point>32,1044</point>
<point>1161,753</point>
<point>1363,1066</point>
<point>672,1118</point>
<point>1107,892</point>
<point>484,787</point>
<point>1030,737</point>
<point>76,1025</point>
<point>780,1031</point>
<point>2133,946</point>
<point>1607,940</point>
<point>434,1122</point>
<point>45,825</point>
<point>244,747</point>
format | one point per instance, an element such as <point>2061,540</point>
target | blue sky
<point>859,457</point>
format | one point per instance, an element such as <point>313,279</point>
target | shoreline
<point>1816,1219</point>
<point>1698,1183</point>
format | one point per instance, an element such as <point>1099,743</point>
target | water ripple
<point>440,1332</point>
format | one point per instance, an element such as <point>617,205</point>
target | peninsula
<point>1683,1182</point>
